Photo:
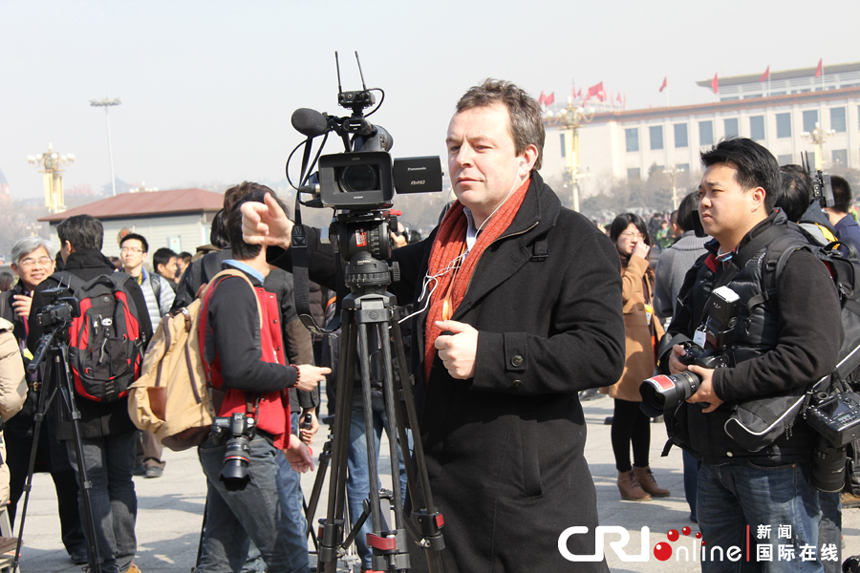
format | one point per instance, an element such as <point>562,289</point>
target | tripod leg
<point>332,531</point>
<point>425,514</point>
<point>46,396</point>
<point>63,377</point>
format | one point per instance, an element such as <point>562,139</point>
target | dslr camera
<point>238,429</point>
<point>708,350</point>
<point>835,416</point>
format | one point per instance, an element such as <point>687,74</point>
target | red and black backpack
<point>105,341</point>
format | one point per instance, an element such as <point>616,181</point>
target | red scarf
<point>449,244</point>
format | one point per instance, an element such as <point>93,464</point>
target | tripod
<point>369,315</point>
<point>58,378</point>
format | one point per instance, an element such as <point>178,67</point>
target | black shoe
<point>139,470</point>
<point>79,556</point>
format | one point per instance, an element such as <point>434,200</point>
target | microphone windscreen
<point>309,122</point>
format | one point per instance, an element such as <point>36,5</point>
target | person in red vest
<point>246,366</point>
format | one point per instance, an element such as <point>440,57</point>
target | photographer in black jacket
<point>777,347</point>
<point>107,434</point>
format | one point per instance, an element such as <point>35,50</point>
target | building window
<point>783,125</point>
<point>837,119</point>
<point>681,135</point>
<point>731,127</point>
<point>656,133</point>
<point>810,118</point>
<point>633,174</point>
<point>840,157</point>
<point>631,134</point>
<point>784,159</point>
<point>563,150</point>
<point>757,128</point>
<point>706,133</point>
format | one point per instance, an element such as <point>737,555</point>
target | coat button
<point>517,360</point>
<point>517,383</point>
<point>729,454</point>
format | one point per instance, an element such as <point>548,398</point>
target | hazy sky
<point>208,87</point>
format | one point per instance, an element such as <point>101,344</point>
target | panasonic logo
<point>416,169</point>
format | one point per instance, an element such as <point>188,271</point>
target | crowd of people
<point>497,372</point>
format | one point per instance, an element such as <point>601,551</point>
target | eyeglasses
<point>631,235</point>
<point>134,250</point>
<point>43,261</point>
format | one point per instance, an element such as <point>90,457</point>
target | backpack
<point>172,398</point>
<point>105,341</point>
<point>756,423</point>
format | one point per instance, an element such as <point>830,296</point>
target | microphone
<point>310,122</point>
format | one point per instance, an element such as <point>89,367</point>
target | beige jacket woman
<point>13,391</point>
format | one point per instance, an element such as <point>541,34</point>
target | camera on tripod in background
<point>708,350</point>
<point>61,308</point>
<point>239,429</point>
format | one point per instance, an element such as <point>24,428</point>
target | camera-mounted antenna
<point>357,101</point>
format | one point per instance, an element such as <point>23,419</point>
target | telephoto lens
<point>665,392</point>
<point>828,467</point>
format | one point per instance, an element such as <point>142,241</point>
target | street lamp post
<point>818,136</point>
<point>107,104</point>
<point>571,119</point>
<point>52,163</point>
<point>673,172</point>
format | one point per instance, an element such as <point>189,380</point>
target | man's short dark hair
<point>218,236</point>
<point>242,250</point>
<point>800,172</point>
<point>161,257</point>
<point>83,232</point>
<point>793,197</point>
<point>140,238</point>
<point>686,212</point>
<point>841,194</point>
<point>755,165</point>
<point>185,256</point>
<point>526,120</point>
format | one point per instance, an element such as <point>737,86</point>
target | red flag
<point>595,90</point>
<point>765,75</point>
<point>573,92</point>
<point>548,100</point>
<point>665,83</point>
<point>820,69</point>
<point>618,99</point>
<point>542,99</point>
<point>715,84</point>
<point>579,93</point>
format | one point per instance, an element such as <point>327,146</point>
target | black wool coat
<point>505,449</point>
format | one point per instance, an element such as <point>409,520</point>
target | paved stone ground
<point>170,510</point>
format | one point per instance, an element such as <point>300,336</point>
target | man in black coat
<point>33,262</point>
<point>532,317</point>
<point>778,347</point>
<point>108,435</point>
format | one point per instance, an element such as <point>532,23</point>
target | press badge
<point>699,338</point>
<point>649,311</point>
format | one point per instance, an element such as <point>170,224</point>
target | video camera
<point>665,392</point>
<point>61,307</point>
<point>822,188</point>
<point>363,176</point>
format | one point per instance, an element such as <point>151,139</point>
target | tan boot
<point>646,479</point>
<point>630,489</point>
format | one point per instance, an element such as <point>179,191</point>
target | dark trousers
<point>630,426</point>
